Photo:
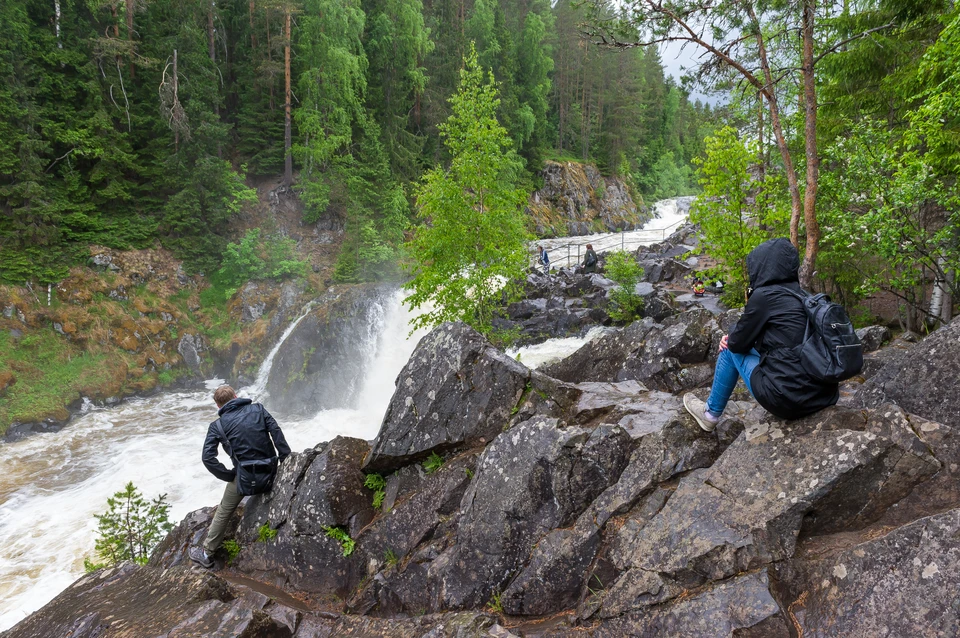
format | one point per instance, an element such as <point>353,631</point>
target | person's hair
<point>590,246</point>
<point>223,395</point>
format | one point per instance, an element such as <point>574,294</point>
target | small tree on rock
<point>130,528</point>
<point>471,248</point>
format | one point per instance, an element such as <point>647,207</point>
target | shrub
<point>432,463</point>
<point>130,528</point>
<point>266,533</point>
<point>378,485</point>
<point>623,269</point>
<point>341,536</point>
<point>232,548</point>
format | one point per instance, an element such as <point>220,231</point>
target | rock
<point>653,354</point>
<point>327,492</point>
<point>533,478</point>
<point>456,391</point>
<point>190,347</point>
<point>747,509</point>
<point>872,337</point>
<point>131,601</point>
<point>558,568</point>
<point>923,380</point>
<point>742,607</point>
<point>322,363</point>
<point>903,583</point>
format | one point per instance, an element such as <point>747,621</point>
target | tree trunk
<point>812,247</point>
<point>176,79</point>
<point>130,5</point>
<point>253,33</point>
<point>287,133</point>
<point>56,23</point>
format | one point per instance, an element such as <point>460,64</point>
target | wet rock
<point>654,354</point>
<point>742,607</point>
<point>903,583</point>
<point>872,337</point>
<point>531,479</point>
<point>322,363</point>
<point>131,601</point>
<point>456,391</point>
<point>327,492</point>
<point>190,347</point>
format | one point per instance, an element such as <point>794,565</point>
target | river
<point>53,484</point>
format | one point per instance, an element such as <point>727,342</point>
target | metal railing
<point>601,243</point>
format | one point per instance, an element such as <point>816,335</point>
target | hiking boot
<point>200,557</point>
<point>698,410</point>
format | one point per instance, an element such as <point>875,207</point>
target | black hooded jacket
<point>774,323</point>
<point>251,434</point>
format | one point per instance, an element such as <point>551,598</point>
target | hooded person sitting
<point>762,347</point>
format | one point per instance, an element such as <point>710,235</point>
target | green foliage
<point>432,463</point>
<point>736,213</point>
<point>390,557</point>
<point>470,250</point>
<point>130,528</point>
<point>888,220</point>
<point>341,536</point>
<point>265,533</point>
<point>232,548</point>
<point>255,258</point>
<point>378,485</point>
<point>622,268</point>
<point>496,603</point>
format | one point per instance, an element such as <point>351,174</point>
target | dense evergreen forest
<point>127,123</point>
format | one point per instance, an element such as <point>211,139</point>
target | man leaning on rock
<point>256,446</point>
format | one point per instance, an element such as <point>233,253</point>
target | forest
<point>132,123</point>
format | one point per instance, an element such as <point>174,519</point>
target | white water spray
<point>54,483</point>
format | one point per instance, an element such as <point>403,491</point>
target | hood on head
<point>775,261</point>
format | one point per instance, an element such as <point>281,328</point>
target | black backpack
<point>831,350</point>
<point>253,476</point>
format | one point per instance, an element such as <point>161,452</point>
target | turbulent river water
<point>53,484</point>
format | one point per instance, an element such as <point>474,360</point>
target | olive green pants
<point>218,527</point>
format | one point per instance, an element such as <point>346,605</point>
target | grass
<point>232,547</point>
<point>432,463</point>
<point>390,557</point>
<point>265,533</point>
<point>50,373</point>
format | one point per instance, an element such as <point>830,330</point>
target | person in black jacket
<point>248,433</point>
<point>590,260</point>
<point>762,348</point>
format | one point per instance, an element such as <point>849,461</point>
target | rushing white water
<point>545,353</point>
<point>54,483</point>
<point>566,252</point>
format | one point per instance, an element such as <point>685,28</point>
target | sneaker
<point>698,410</point>
<point>200,557</point>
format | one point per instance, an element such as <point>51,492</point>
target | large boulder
<point>902,583</point>
<point>532,479</point>
<point>316,491</point>
<point>672,357</point>
<point>456,391</point>
<point>923,380</point>
<point>840,470</point>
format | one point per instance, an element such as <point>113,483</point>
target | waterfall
<point>256,390</point>
<point>54,483</point>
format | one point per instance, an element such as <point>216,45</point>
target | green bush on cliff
<point>255,258</point>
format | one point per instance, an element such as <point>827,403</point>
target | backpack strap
<point>218,428</point>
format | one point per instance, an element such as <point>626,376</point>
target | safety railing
<point>568,254</point>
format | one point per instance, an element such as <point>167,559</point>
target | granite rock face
<point>456,391</point>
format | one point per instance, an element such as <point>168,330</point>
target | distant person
<point>698,287</point>
<point>544,259</point>
<point>256,446</point>
<point>762,348</point>
<point>590,260</point>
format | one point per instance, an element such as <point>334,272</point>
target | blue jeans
<point>730,366</point>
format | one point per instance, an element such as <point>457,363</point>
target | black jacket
<point>774,323</point>
<point>249,429</point>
